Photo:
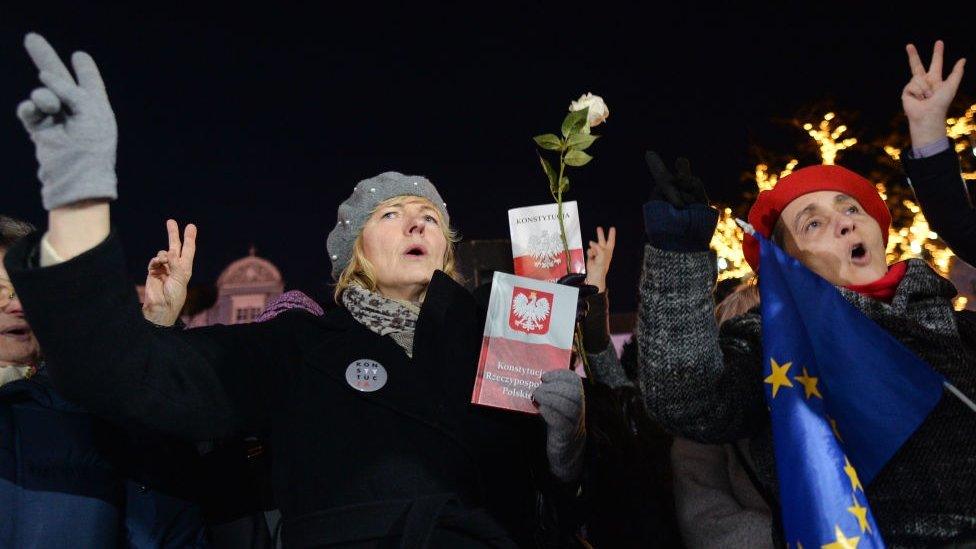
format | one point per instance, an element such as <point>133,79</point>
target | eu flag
<point>844,395</point>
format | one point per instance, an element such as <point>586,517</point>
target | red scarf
<point>883,289</point>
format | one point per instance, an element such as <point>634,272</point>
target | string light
<point>727,243</point>
<point>827,138</point>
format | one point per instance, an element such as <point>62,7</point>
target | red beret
<point>769,204</point>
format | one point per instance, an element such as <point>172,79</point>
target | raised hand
<point>681,189</point>
<point>598,257</point>
<point>927,96</point>
<point>73,128</point>
<point>678,216</point>
<point>169,275</point>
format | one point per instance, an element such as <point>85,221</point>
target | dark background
<point>255,122</point>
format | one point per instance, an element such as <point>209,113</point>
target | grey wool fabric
<point>707,385</point>
<point>561,405</point>
<point>72,126</point>
<point>607,369</point>
<point>366,195</point>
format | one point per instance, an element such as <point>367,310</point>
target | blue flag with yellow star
<point>844,395</point>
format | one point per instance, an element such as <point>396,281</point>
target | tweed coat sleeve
<point>607,369</point>
<point>199,383</point>
<point>699,383</point>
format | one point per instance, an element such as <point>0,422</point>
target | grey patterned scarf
<point>383,315</point>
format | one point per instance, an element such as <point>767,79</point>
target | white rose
<point>598,109</point>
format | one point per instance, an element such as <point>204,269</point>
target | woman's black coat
<point>412,461</point>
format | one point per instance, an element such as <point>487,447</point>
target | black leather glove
<point>680,189</point>
<point>678,217</point>
<point>585,290</point>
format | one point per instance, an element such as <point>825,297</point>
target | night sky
<point>256,123</point>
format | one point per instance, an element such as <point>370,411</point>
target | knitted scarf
<point>383,315</point>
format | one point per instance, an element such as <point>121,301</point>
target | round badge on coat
<point>366,375</point>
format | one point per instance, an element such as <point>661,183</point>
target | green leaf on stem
<point>574,122</point>
<point>580,141</point>
<point>563,184</point>
<point>577,158</point>
<point>549,173</point>
<point>549,142</point>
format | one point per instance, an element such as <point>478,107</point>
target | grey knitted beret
<point>366,195</point>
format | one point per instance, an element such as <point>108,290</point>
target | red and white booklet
<point>529,331</point>
<point>537,246</point>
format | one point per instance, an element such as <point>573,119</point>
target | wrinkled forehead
<point>816,200</point>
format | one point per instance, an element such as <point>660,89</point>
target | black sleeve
<point>942,194</point>
<point>200,383</point>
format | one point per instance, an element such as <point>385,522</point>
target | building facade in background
<point>242,291</point>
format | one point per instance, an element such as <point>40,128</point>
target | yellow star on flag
<point>852,474</point>
<point>862,515</point>
<point>809,384</point>
<point>778,378</point>
<point>833,426</point>
<point>842,542</point>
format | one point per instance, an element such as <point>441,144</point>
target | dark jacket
<point>707,385</point>
<point>411,461</point>
<point>68,479</point>
<point>945,200</point>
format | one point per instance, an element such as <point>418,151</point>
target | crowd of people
<point>119,427</point>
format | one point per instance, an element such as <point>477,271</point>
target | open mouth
<point>416,251</point>
<point>17,332</point>
<point>859,254</point>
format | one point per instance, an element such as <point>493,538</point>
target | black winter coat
<point>411,462</point>
<point>945,200</point>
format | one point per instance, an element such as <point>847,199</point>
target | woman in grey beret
<point>375,442</point>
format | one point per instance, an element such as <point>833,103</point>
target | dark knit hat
<point>366,195</point>
<point>770,204</point>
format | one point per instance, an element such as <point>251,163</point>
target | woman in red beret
<point>706,384</point>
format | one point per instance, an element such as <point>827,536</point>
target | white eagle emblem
<point>546,249</point>
<point>530,311</point>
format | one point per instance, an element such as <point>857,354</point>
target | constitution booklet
<point>528,331</point>
<point>536,243</point>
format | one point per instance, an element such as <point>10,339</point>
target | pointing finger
<point>956,75</point>
<point>173,234</point>
<point>89,77</point>
<point>189,243</point>
<point>914,61</point>
<point>935,68</point>
<point>44,56</point>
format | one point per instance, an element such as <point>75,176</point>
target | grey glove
<point>72,126</point>
<point>561,405</point>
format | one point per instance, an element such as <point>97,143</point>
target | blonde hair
<point>360,271</point>
<point>744,297</point>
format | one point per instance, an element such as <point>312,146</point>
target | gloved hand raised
<point>681,189</point>
<point>72,126</point>
<point>678,216</point>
